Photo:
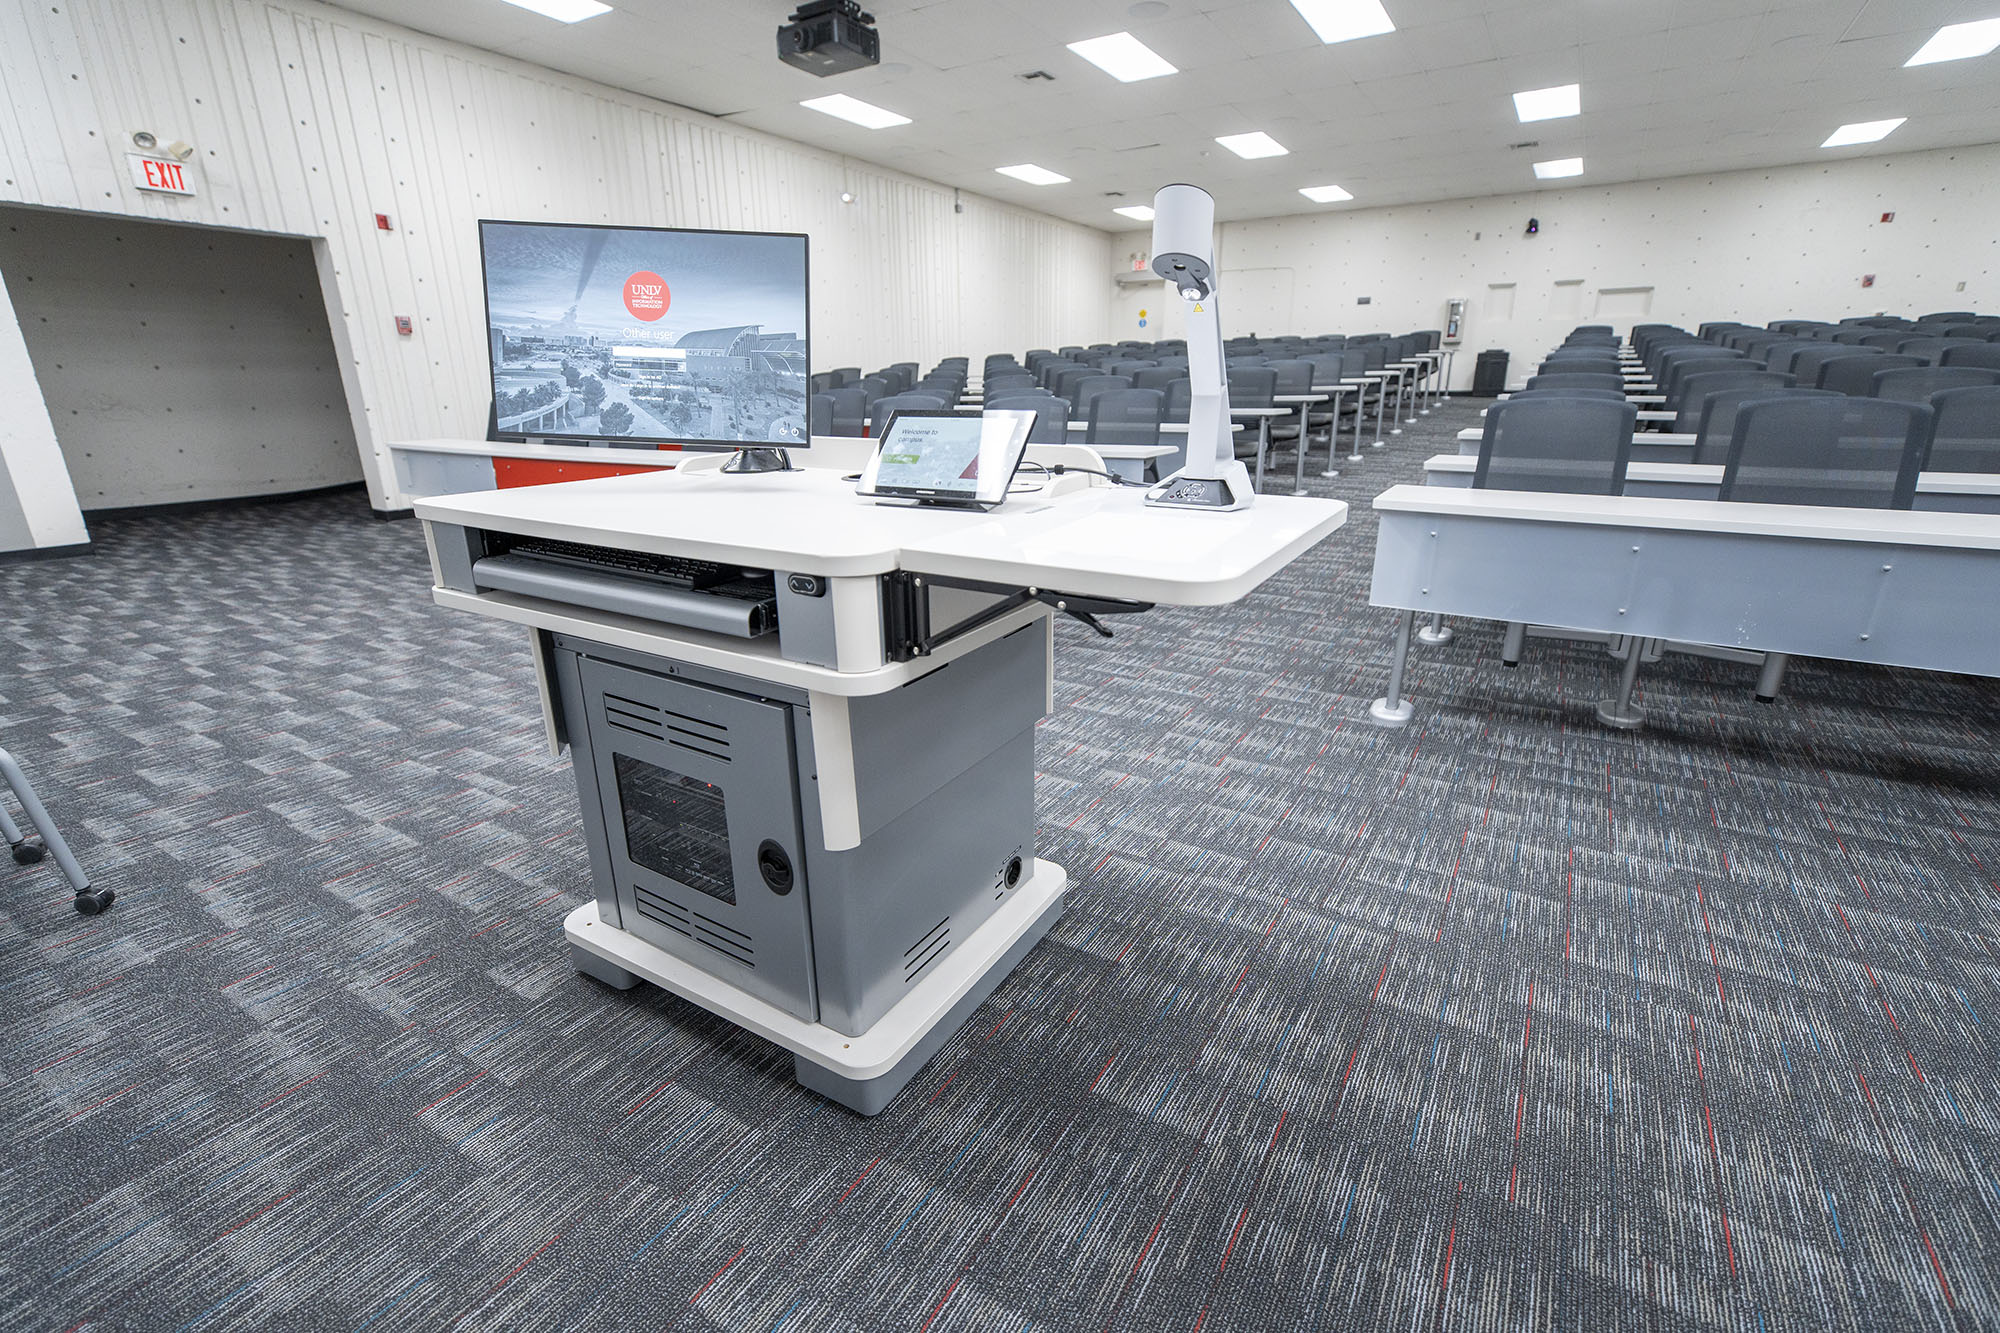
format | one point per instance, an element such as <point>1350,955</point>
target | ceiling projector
<point>830,37</point>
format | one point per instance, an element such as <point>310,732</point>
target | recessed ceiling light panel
<point>1960,41</point>
<point>855,111</point>
<point>1124,57</point>
<point>1254,144</point>
<point>1866,131</point>
<point>1137,212</point>
<point>1344,20</point>
<point>562,11</point>
<point>1325,194</point>
<point>1549,103</point>
<point>1558,169</point>
<point>1033,175</point>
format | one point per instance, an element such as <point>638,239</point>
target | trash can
<point>1489,374</point>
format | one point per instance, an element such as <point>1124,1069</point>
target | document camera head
<point>1184,239</point>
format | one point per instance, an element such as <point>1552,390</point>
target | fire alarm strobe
<point>830,37</point>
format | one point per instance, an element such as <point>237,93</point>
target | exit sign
<point>150,173</point>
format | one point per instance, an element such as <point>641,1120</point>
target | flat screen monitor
<point>649,334</point>
<point>944,457</point>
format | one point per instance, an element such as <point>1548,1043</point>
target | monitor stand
<point>759,460</point>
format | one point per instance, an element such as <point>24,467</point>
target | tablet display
<point>948,457</point>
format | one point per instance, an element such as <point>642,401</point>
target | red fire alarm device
<point>403,325</point>
<point>1888,217</point>
<point>382,222</point>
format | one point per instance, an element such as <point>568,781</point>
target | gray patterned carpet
<point>1500,1022</point>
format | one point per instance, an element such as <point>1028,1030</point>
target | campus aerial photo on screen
<point>644,334</point>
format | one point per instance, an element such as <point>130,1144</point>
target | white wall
<point>178,363</point>
<point>309,120</point>
<point>1753,246</point>
<point>38,506</point>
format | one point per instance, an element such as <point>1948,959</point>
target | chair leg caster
<point>91,901</point>
<point>28,853</point>
<point>1385,714</point>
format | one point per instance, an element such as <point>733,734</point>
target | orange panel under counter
<point>511,472</point>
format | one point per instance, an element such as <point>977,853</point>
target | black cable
<point>1057,469</point>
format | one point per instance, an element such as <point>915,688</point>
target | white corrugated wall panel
<point>309,120</point>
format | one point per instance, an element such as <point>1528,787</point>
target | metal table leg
<point>1621,712</point>
<point>1360,417</point>
<point>1305,424</point>
<point>1381,410</point>
<point>1333,435</point>
<point>1437,633</point>
<point>1772,678</point>
<point>1392,709</point>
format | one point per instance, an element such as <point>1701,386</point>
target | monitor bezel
<point>645,443</point>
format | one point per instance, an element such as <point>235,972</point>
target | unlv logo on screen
<point>646,295</point>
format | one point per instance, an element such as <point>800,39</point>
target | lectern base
<point>862,1073</point>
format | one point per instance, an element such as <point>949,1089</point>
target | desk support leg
<point>1381,410</point>
<point>1263,447</point>
<point>1621,712</point>
<point>1360,418</point>
<point>1333,438</point>
<point>1402,389</point>
<point>1393,710</point>
<point>1772,678</point>
<point>1437,633</point>
<point>1511,646</point>
<point>1305,424</point>
<point>1449,358</point>
<point>1425,384</point>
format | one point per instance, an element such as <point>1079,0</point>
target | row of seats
<point>1776,442</point>
<point>842,402</point>
<point>1259,371</point>
<point>1844,442</point>
<point>1706,383</point>
<point>1790,447</point>
<point>1126,391</point>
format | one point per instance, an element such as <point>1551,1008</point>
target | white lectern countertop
<point>1101,541</point>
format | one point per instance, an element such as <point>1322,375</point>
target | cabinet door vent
<point>926,951</point>
<point>661,724</point>
<point>731,943</point>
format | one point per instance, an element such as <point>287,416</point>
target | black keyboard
<point>678,571</point>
